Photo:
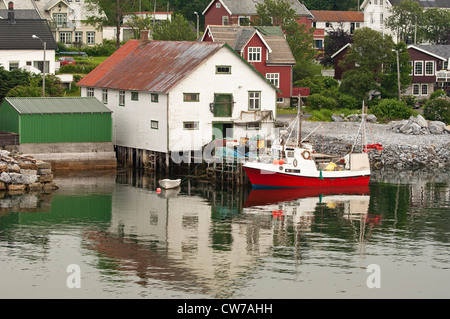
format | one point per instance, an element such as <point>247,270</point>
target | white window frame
<point>416,63</point>
<point>274,78</point>
<point>90,37</point>
<point>225,20</point>
<point>416,86</point>
<point>121,98</point>
<point>432,68</point>
<point>105,96</point>
<point>254,54</point>
<point>90,92</point>
<point>422,87</point>
<point>65,37</point>
<point>254,100</point>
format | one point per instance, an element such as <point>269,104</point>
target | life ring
<point>295,163</point>
<point>306,155</point>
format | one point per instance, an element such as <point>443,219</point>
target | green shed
<point>56,120</point>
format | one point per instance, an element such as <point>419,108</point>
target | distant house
<point>377,11</point>
<point>68,132</point>
<point>337,58</point>
<point>66,19</point>
<point>326,21</point>
<point>240,12</point>
<point>169,96</point>
<point>265,48</point>
<point>18,48</point>
<point>430,69</point>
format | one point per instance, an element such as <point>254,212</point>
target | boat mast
<point>299,115</point>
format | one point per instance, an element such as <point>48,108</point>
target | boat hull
<point>260,178</point>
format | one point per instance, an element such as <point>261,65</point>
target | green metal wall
<point>9,118</point>
<point>65,128</point>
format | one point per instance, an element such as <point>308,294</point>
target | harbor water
<point>115,236</point>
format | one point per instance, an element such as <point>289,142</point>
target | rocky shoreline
<point>19,173</point>
<point>402,149</point>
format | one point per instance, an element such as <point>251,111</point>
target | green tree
<point>11,79</point>
<point>389,79</point>
<point>334,41</point>
<point>437,26</point>
<point>299,38</point>
<point>178,29</point>
<point>110,12</point>
<point>406,20</point>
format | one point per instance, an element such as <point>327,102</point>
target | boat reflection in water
<point>302,202</point>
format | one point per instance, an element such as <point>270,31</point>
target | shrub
<point>391,109</point>
<point>348,102</point>
<point>437,93</point>
<point>317,101</point>
<point>438,109</point>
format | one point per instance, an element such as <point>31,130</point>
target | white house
<point>18,47</point>
<point>169,96</point>
<point>377,11</point>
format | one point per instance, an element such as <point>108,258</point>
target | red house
<point>240,12</point>
<point>430,69</point>
<point>265,48</point>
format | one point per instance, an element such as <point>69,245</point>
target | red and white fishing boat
<point>292,166</point>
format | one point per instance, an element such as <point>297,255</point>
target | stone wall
<point>22,173</point>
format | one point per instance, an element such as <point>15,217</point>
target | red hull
<point>278,180</point>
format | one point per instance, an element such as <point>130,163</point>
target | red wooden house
<point>240,12</point>
<point>265,48</point>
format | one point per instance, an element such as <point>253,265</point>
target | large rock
<point>419,119</point>
<point>436,127</point>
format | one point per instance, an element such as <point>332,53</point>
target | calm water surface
<point>202,242</point>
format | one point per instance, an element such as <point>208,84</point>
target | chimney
<point>144,36</point>
<point>11,13</point>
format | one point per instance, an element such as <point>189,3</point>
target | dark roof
<point>427,3</point>
<point>442,51</point>
<point>18,35</point>
<point>21,14</point>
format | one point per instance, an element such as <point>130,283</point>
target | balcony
<point>443,76</point>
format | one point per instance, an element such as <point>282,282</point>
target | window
<point>122,98</point>
<point>60,20</point>
<point>318,44</point>
<point>65,37</point>
<point>254,100</point>
<point>225,20</point>
<point>134,96</point>
<point>254,54</point>
<point>154,125</point>
<point>105,96</point>
<point>274,78</point>
<point>223,105</point>
<point>429,68</point>
<point>244,21</point>
<point>191,97</point>
<point>154,98</point>
<point>78,37</point>
<point>253,126</point>
<point>416,89</point>
<point>13,65</point>
<point>190,125</point>
<point>418,68</point>
<point>424,89</point>
<point>218,5</point>
<point>381,18</point>
<point>90,92</point>
<point>328,24</point>
<point>223,69</point>
<point>90,37</point>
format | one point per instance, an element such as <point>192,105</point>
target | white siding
<point>24,56</point>
<point>205,81</point>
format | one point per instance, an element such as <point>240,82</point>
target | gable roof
<point>21,14</point>
<point>238,36</point>
<point>56,105</point>
<point>248,7</point>
<point>441,52</point>
<point>154,66</point>
<point>18,35</point>
<point>338,16</point>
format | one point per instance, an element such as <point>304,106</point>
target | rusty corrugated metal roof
<point>154,66</point>
<point>338,16</point>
